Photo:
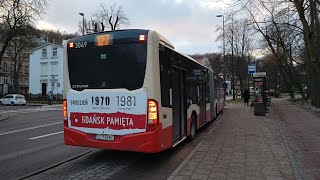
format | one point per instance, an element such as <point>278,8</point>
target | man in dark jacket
<point>246,97</point>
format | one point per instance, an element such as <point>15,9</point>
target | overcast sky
<point>190,25</point>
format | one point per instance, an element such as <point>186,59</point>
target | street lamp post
<point>224,51</point>
<point>81,14</point>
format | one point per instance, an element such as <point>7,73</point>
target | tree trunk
<point>287,84</point>
<point>4,47</point>
<point>311,33</point>
<point>315,87</point>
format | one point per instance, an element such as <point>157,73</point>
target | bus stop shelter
<point>260,82</point>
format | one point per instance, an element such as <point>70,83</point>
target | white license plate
<point>106,137</point>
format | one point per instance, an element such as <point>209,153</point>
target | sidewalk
<point>242,146</point>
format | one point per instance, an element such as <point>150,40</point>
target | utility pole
<point>232,63</point>
<point>82,14</point>
<point>52,85</point>
<point>224,54</point>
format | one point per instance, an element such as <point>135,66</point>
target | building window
<point>12,68</point>
<point>5,66</point>
<point>20,80</point>
<point>12,80</point>
<point>54,52</point>
<point>5,54</point>
<point>44,53</point>
<point>54,68</point>
<point>5,79</point>
<point>44,69</point>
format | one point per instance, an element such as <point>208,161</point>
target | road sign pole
<point>57,91</point>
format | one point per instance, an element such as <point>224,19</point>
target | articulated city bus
<point>130,90</point>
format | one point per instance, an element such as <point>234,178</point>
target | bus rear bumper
<point>147,142</point>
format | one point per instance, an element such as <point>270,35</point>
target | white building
<point>46,69</point>
<point>205,61</point>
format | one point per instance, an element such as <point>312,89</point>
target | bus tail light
<point>65,113</point>
<point>153,115</point>
<point>71,45</point>
<point>142,37</point>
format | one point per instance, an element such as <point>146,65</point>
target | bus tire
<point>193,128</point>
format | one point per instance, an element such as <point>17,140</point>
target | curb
<point>4,116</point>
<point>56,165</point>
<point>31,104</point>
<point>185,161</point>
<point>52,105</point>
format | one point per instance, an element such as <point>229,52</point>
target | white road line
<point>38,137</point>
<point>21,111</point>
<point>30,128</point>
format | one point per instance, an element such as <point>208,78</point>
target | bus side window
<point>216,87</point>
<point>165,82</point>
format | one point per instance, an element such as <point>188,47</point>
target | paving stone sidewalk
<point>242,146</point>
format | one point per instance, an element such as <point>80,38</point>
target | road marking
<point>46,135</point>
<point>30,128</point>
<point>31,110</point>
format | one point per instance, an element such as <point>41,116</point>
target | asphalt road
<point>4,108</point>
<point>32,139</point>
<point>108,164</point>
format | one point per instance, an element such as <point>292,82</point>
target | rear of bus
<point>105,102</point>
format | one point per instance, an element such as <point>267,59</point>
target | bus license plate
<point>106,137</point>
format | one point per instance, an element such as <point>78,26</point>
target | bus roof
<point>162,39</point>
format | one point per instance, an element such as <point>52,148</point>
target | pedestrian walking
<point>246,97</point>
<point>50,97</point>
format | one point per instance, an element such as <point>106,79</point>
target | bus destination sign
<point>103,40</point>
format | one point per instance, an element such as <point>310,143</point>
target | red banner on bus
<point>114,121</point>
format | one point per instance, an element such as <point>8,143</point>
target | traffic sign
<point>259,74</point>
<point>251,68</point>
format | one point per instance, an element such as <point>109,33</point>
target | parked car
<point>13,99</point>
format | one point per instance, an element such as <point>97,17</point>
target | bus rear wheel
<point>193,128</point>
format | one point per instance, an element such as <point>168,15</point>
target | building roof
<point>44,45</point>
<point>204,61</point>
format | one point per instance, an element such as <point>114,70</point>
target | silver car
<point>13,99</point>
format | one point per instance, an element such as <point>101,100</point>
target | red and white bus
<point>130,90</point>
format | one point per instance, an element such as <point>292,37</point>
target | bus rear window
<point>108,67</point>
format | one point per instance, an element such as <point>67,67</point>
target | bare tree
<point>108,17</point>
<point>239,37</point>
<point>243,38</point>
<point>87,26</point>
<point>112,17</point>
<point>276,22</point>
<point>19,46</point>
<point>291,28</point>
<point>15,17</point>
<point>308,11</point>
